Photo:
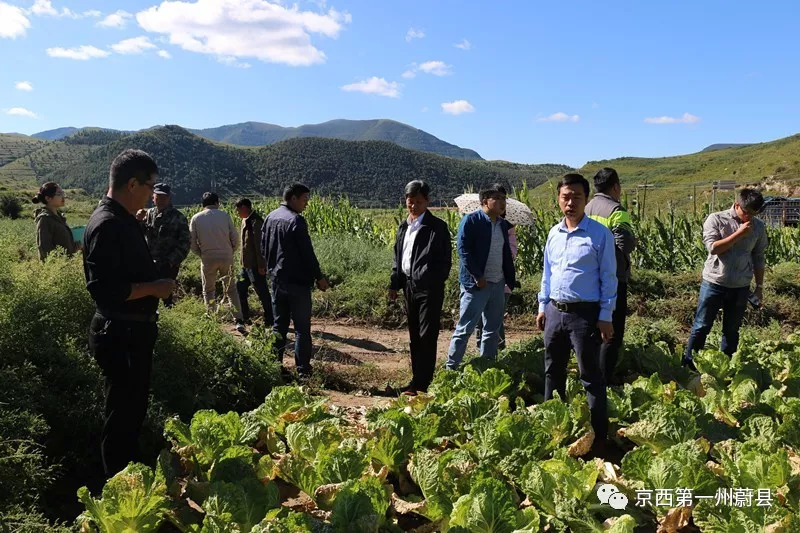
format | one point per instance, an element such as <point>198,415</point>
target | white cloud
<point>375,85</point>
<point>686,118</point>
<point>24,86</point>
<point>164,54</point>
<point>80,53</point>
<point>425,109</point>
<point>260,29</point>
<point>559,117</point>
<point>136,45</point>
<point>233,62</point>
<point>414,33</point>
<point>21,112</point>
<point>115,20</point>
<point>464,45</point>
<point>437,68</point>
<point>457,107</point>
<point>44,8</point>
<point>13,22</point>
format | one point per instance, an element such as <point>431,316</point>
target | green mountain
<point>774,166</point>
<point>369,172</point>
<point>724,146</point>
<point>56,134</point>
<point>15,145</point>
<point>260,134</point>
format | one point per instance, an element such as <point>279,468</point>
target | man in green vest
<point>605,208</point>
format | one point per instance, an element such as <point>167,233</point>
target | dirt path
<point>354,363</point>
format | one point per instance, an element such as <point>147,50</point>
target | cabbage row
<point>482,453</point>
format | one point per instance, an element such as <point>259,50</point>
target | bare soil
<point>360,366</point>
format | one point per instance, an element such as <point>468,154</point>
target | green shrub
<point>10,206</point>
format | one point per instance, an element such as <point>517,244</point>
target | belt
<point>574,307</point>
<point>127,317</point>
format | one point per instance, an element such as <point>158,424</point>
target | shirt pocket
<point>581,252</point>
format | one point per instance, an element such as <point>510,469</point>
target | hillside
<point>14,146</point>
<point>370,172</point>
<point>724,146</point>
<point>260,134</point>
<point>774,165</point>
<point>56,134</point>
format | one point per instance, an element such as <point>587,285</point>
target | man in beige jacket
<point>215,239</point>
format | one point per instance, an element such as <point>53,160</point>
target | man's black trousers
<point>259,283</point>
<point>124,352</point>
<point>424,310</point>
<point>292,302</point>
<point>609,351</point>
<point>564,331</point>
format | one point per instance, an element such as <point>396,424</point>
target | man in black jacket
<point>421,265</point>
<point>125,285</point>
<point>293,268</point>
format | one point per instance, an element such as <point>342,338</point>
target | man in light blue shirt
<point>576,301</point>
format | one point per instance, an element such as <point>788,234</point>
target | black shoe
<point>689,363</point>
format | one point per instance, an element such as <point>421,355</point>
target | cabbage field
<point>229,447</point>
<point>715,451</point>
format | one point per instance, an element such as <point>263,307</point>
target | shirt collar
<point>562,226</point>
<point>114,206</point>
<point>417,222</point>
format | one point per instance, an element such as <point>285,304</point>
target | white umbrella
<point>517,213</point>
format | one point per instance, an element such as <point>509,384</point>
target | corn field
<point>669,242</point>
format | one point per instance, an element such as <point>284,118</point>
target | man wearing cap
<point>167,233</point>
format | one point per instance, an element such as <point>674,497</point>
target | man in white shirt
<point>214,238</point>
<point>421,266</point>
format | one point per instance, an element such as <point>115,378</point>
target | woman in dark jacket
<point>51,225</point>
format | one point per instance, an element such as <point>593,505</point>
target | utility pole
<point>644,200</point>
<point>694,197</point>
<point>713,195</point>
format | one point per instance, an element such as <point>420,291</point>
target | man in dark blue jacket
<point>486,268</point>
<point>293,268</point>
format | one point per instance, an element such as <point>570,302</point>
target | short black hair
<point>244,202</point>
<point>750,199</point>
<point>210,198</point>
<point>490,190</point>
<point>295,189</point>
<point>131,164</point>
<point>416,187</point>
<point>573,178</point>
<point>605,179</point>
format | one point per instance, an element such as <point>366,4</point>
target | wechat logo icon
<point>611,495</point>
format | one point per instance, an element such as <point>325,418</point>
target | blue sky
<point>531,82</point>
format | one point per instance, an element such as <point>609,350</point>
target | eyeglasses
<point>150,185</point>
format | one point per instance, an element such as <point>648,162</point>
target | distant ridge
<point>56,134</point>
<point>262,134</point>
<point>724,146</point>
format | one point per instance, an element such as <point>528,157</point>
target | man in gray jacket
<point>215,239</point>
<point>736,242</point>
<point>606,208</point>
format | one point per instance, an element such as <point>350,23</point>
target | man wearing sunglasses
<point>125,285</point>
<point>736,242</point>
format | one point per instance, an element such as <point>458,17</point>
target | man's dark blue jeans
<point>712,298</point>
<point>563,332</point>
<point>293,302</point>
